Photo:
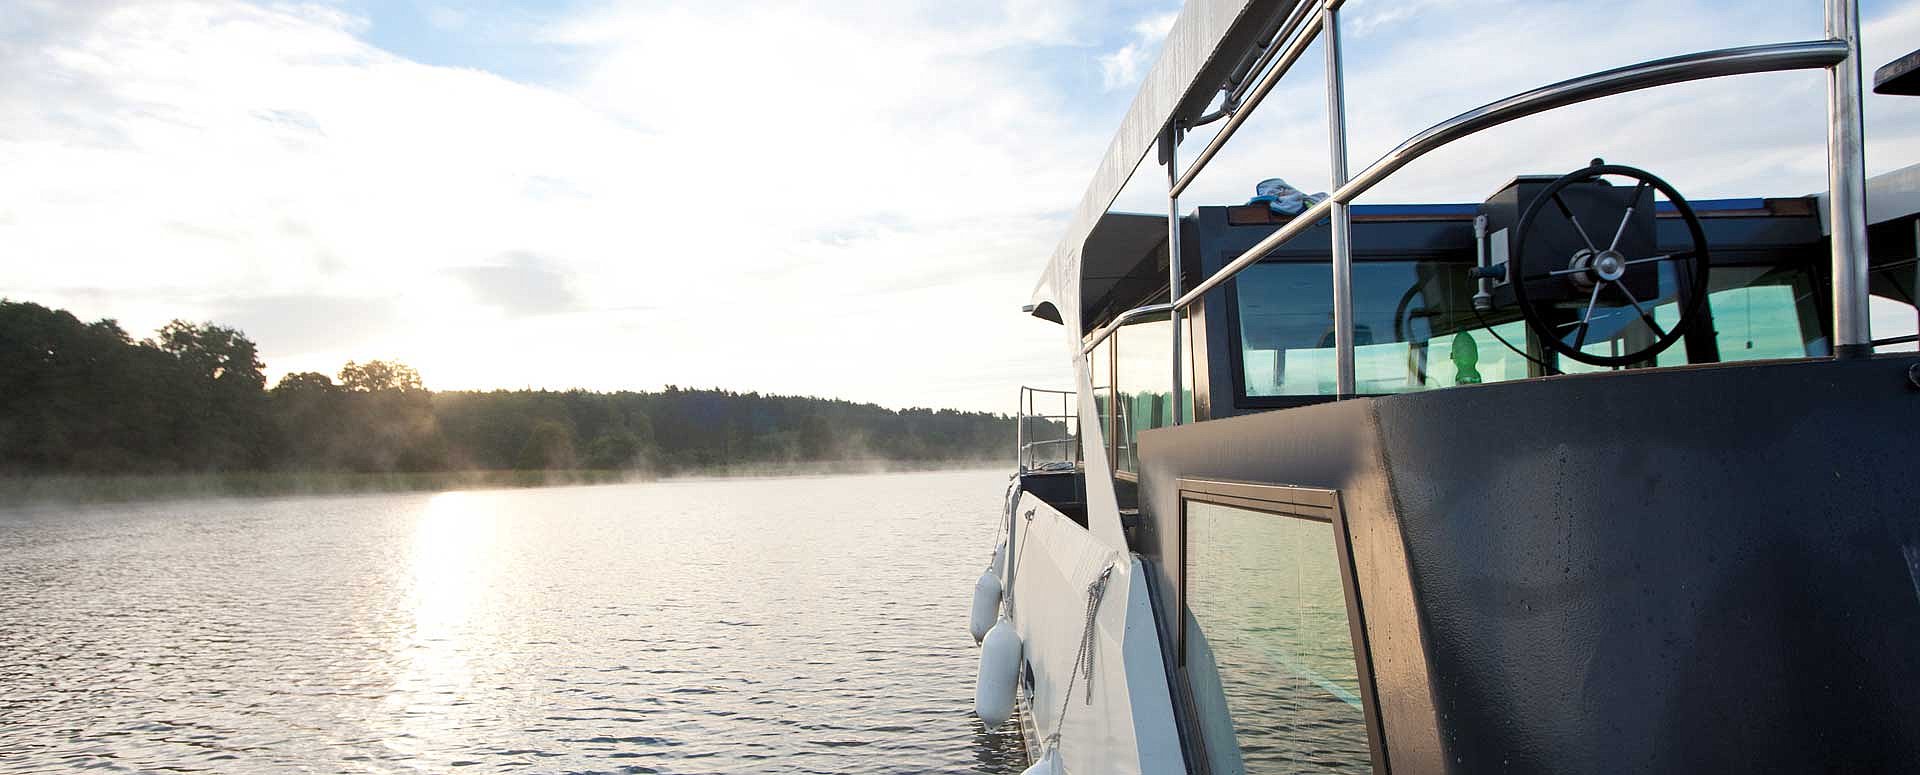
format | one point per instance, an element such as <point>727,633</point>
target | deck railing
<point>1838,54</point>
<point>1042,441</point>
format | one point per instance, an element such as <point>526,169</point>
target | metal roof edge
<point>1190,47</point>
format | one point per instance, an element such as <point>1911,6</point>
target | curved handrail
<point>1746,60</point>
<point>1124,318</point>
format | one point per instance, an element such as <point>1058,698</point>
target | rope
<point>1013,568</point>
<point>1006,517</point>
<point>1083,661</point>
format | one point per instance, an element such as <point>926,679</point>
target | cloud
<point>308,324</point>
<point>755,196</point>
<point>523,284</point>
<point>1123,68</point>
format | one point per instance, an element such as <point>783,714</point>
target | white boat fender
<point>999,671</point>
<point>1049,764</point>
<point>986,604</point>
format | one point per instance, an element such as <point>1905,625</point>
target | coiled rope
<point>1083,661</point>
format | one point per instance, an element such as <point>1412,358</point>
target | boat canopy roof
<point>1209,41</point>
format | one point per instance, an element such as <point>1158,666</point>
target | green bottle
<point>1466,357</point>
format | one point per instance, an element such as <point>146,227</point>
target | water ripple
<point>804,625</point>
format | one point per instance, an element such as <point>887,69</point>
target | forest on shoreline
<point>87,399</point>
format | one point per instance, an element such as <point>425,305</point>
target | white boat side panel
<point>1127,727</point>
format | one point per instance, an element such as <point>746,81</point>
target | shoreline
<point>20,491</point>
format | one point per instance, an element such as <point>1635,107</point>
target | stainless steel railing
<point>1839,54</point>
<point>1027,451</point>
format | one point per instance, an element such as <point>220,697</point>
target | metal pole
<point>1072,428</point>
<point>1847,186</point>
<point>1170,145</point>
<point>1020,431</point>
<point>1342,223</point>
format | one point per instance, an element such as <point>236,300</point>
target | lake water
<point>800,625</point>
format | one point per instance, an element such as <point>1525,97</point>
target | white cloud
<point>849,203</point>
<point>1123,68</point>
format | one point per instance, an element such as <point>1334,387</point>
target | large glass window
<point>1413,329</point>
<point>1269,654</point>
<point>1758,314</point>
<point>1143,384</point>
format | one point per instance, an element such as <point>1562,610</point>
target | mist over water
<point>796,625</point>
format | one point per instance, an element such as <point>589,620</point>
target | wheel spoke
<point>1631,203</point>
<point>1568,212</point>
<point>1644,315</point>
<point>1563,272</point>
<point>1663,257</point>
<point>1586,321</point>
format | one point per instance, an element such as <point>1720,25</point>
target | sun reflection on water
<point>454,567</point>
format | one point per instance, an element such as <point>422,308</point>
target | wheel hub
<point>1609,265</point>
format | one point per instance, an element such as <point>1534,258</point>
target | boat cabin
<point>1426,534</point>
<point>1586,476</point>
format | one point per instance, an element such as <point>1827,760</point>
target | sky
<point>848,199</point>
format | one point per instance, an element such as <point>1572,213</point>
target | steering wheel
<point>1591,268</point>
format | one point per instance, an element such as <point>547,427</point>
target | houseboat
<point>1587,476</point>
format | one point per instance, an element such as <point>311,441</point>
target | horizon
<point>601,195</point>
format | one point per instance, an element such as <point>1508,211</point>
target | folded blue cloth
<point>1284,199</point>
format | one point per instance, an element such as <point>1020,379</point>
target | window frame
<point>1237,368</point>
<point>1280,502</point>
<point>1703,335</point>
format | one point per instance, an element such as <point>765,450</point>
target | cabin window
<point>1100,369</point>
<point>1757,313</point>
<point>1891,305</point>
<point>1267,632</point>
<point>1414,329</point>
<point>1143,384</point>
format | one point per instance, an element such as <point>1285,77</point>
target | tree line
<point>81,397</point>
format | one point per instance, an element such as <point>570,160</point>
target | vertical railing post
<point>1847,186</point>
<point>1019,432</point>
<point>1169,148</point>
<point>1342,221</point>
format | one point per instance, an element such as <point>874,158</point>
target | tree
<point>376,376</point>
<point>549,447</point>
<point>816,438</point>
<point>86,397</point>
<point>614,450</point>
<point>304,382</point>
<point>225,423</point>
<point>216,353</point>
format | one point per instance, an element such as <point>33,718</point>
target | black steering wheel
<point>1594,267</point>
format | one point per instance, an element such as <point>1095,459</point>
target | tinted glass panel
<point>1415,326</point>
<point>1143,382</point>
<point>1757,314</point>
<point>1413,329</point>
<point>1269,654</point>
<point>1101,369</point>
